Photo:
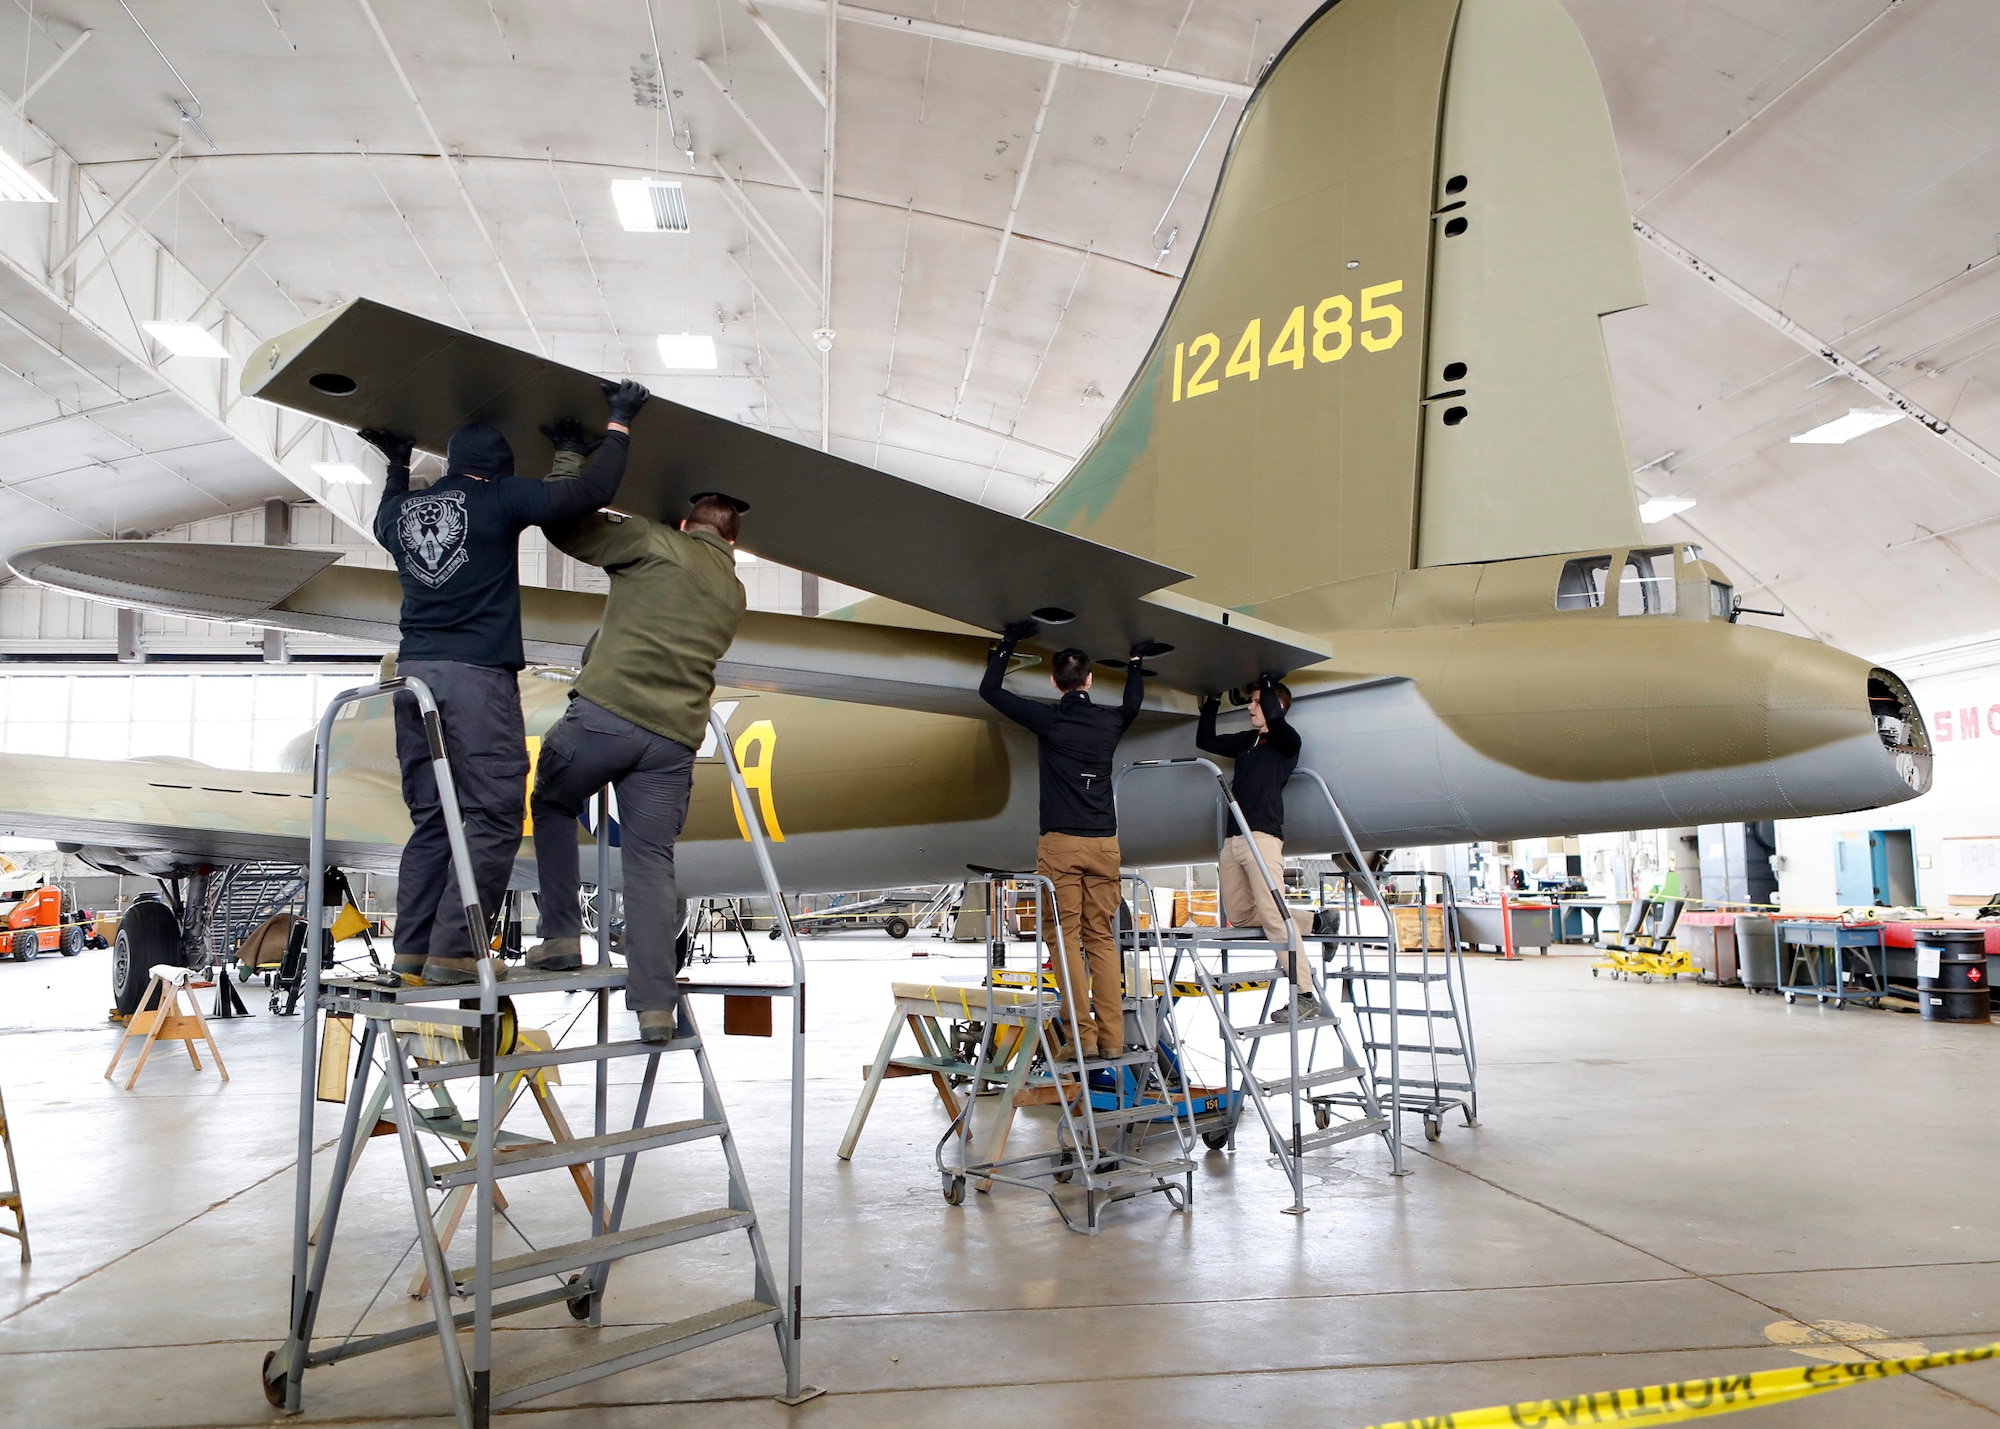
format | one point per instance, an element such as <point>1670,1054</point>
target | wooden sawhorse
<point>1014,1031</point>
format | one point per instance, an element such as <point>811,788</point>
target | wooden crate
<point>1200,907</point>
<point>1414,921</point>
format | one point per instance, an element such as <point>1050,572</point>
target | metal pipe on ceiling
<point>215,293</point>
<point>1031,49</point>
<point>132,229</point>
<point>777,312</point>
<point>1825,351</point>
<point>748,212</point>
<point>751,124</point>
<point>824,336</point>
<point>451,167</point>
<point>784,51</point>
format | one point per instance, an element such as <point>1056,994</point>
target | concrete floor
<point>1665,1177</point>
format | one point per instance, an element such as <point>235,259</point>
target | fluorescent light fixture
<point>1858,422</point>
<point>1659,508</point>
<point>687,351</point>
<point>185,339</point>
<point>340,473</point>
<point>17,185</point>
<point>650,205</point>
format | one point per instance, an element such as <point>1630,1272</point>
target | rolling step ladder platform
<point>1100,1155</point>
<point>1320,1076</point>
<point>10,1196</point>
<point>1428,1027</point>
<point>401,1031</point>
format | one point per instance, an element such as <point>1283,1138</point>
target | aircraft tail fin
<point>1385,351</point>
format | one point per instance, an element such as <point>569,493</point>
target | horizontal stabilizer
<point>934,671</point>
<point>211,582</point>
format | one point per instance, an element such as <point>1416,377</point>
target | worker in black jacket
<point>1078,850</point>
<point>1265,755</point>
<point>456,545</point>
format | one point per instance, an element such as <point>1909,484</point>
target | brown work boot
<point>556,955</point>
<point>656,1026</point>
<point>450,972</point>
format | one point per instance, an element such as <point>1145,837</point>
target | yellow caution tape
<point>1690,1399</point>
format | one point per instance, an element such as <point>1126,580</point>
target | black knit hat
<point>480,450</point>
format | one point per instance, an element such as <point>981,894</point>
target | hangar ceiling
<point>1835,157</point>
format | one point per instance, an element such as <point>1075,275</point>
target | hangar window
<point>1581,585</point>
<point>1646,585</point>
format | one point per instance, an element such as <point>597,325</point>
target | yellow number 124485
<point>1328,332</point>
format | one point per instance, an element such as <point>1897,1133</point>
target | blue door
<point>1853,872</point>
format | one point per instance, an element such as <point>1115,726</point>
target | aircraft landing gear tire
<point>148,934</point>
<point>274,1388</point>
<point>954,1190</point>
<point>25,947</point>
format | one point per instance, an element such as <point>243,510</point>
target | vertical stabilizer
<point>1271,440</point>
<point>1522,453</point>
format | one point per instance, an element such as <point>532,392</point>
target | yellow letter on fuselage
<point>763,738</point>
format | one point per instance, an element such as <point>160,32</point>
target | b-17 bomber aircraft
<point>1374,447</point>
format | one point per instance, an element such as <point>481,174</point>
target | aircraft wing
<point>298,589</point>
<point>193,813</point>
<point>367,365</point>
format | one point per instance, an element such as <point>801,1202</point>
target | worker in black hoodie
<point>1265,755</point>
<point>456,545</point>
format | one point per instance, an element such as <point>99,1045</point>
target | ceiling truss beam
<point>1031,49</point>
<point>1825,351</point>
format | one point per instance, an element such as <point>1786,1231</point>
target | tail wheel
<point>148,934</point>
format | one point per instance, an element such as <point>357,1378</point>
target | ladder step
<point>635,1240</point>
<point>1142,1171</point>
<point>1283,1085</point>
<point>454,1127</point>
<point>1360,975</point>
<point>1415,1047</point>
<point>1346,1131</point>
<point>1273,1029</point>
<point>553,1155</point>
<point>608,1357</point>
<point>1118,1116</point>
<point>559,1056</point>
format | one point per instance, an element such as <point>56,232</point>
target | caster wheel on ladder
<point>1433,1128</point>
<point>274,1389</point>
<point>1215,1140</point>
<point>582,1305</point>
<point>1322,1118</point>
<point>954,1190</point>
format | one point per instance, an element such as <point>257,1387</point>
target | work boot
<point>656,1027</point>
<point>1309,1009</point>
<point>450,972</point>
<point>556,955</point>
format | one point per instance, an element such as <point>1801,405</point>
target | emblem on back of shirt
<point>432,529</point>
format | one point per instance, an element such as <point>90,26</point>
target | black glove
<point>1015,631</point>
<point>566,434</point>
<point>1268,680</point>
<point>626,399</point>
<point>398,450</point>
<point>1211,701</point>
<point>1146,650</point>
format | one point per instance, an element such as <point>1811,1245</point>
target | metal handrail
<point>489,1007</point>
<point>793,1318</point>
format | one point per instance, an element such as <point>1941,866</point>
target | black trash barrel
<point>1959,992</point>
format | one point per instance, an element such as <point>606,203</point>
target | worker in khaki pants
<point>1265,755</point>
<point>1078,851</point>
